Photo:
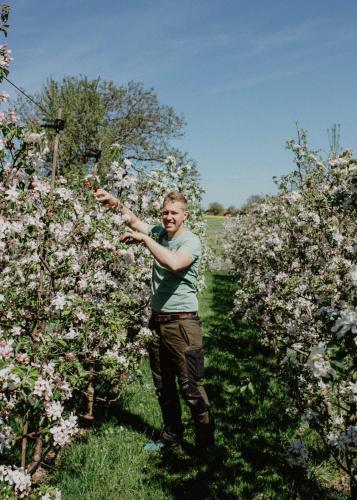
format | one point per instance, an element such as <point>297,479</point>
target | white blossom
<point>33,138</point>
<point>337,236</point>
<point>6,436</point>
<point>127,163</point>
<point>347,321</point>
<point>297,453</point>
<point>319,365</point>
<point>16,477</point>
<point>8,379</point>
<point>41,186</point>
<point>64,193</point>
<point>352,389</point>
<point>343,440</point>
<point>59,301</point>
<point>54,410</point>
<point>42,388</point>
<point>81,316</point>
<point>352,276</point>
<point>16,330</point>
<point>63,432</point>
<point>12,194</point>
<point>71,334</point>
<point>49,368</point>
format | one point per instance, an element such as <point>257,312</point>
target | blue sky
<point>241,72</point>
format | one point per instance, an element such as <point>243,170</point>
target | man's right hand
<point>131,220</point>
<point>107,199</point>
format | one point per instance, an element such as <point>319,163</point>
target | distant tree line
<point>216,208</point>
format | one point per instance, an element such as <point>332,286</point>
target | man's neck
<point>176,233</point>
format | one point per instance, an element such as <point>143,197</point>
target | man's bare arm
<point>110,201</point>
<point>173,260</point>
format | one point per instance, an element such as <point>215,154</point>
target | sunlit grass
<point>215,232</point>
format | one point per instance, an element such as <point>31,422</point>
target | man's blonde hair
<point>175,196</point>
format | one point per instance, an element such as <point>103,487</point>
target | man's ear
<point>186,215</point>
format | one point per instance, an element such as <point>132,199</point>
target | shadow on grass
<point>251,424</point>
<point>134,422</point>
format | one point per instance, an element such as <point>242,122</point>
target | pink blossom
<point>69,356</point>
<point>6,349</point>
<point>13,117</point>
<point>22,358</point>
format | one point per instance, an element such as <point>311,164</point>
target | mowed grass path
<point>251,422</point>
<point>215,231</point>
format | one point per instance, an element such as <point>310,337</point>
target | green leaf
<point>338,365</point>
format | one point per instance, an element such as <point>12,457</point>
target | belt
<point>174,316</point>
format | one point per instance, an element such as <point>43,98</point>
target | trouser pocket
<point>190,332</point>
<point>184,334</point>
<point>195,364</point>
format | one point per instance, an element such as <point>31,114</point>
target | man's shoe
<point>161,446</point>
<point>153,447</point>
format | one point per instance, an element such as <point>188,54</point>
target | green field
<point>215,232</point>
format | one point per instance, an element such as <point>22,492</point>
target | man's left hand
<point>132,237</point>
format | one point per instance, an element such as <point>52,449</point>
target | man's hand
<point>107,199</point>
<point>132,237</point>
<point>131,220</point>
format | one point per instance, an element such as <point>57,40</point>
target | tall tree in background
<point>84,112</point>
<point>99,114</point>
<point>216,208</point>
<point>136,120</point>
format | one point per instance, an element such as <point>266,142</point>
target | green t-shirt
<point>175,291</point>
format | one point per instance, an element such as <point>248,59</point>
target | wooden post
<point>55,154</point>
<point>90,403</point>
<point>90,397</point>
<point>37,454</point>
<point>24,442</point>
<point>35,335</point>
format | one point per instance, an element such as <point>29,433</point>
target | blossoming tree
<point>295,256</point>
<point>73,298</point>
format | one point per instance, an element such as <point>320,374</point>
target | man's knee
<point>193,397</point>
<point>166,393</point>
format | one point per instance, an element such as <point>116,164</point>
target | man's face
<point>173,215</point>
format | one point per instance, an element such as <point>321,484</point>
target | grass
<point>215,232</point>
<point>111,463</point>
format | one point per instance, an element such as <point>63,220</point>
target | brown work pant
<point>177,353</point>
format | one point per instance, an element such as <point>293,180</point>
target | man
<point>177,352</point>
